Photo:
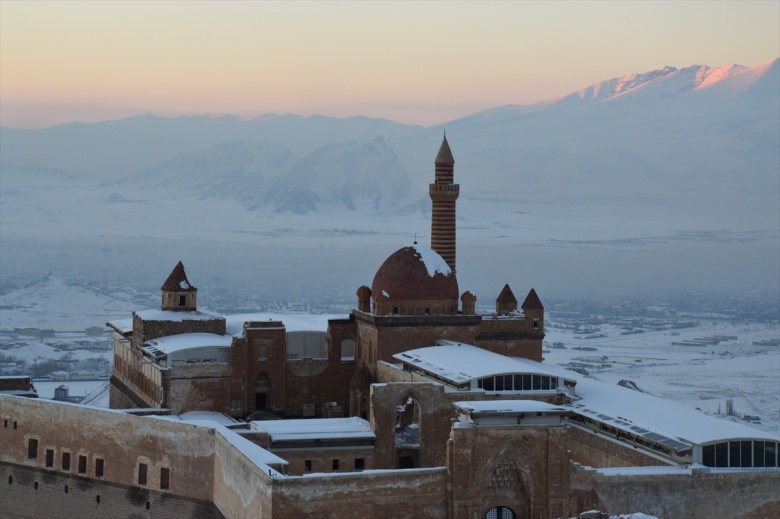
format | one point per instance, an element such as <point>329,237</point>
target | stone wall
<point>749,494</point>
<point>33,493</point>
<point>379,495</point>
<point>146,330</point>
<point>198,387</point>
<point>121,441</point>
<point>518,467</point>
<point>594,450</point>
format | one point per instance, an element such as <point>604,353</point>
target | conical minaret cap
<point>444,157</point>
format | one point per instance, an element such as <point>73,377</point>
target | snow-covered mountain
<point>55,304</point>
<point>655,157</point>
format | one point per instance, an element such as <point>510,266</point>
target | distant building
<point>413,405</point>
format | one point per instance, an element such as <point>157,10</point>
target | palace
<point>413,405</point>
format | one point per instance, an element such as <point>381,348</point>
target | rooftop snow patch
<point>186,341</point>
<point>432,261</point>
<point>319,428</point>
<point>291,322</point>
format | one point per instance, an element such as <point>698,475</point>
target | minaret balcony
<point>444,192</point>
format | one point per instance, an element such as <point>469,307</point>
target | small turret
<point>364,299</point>
<point>534,310</point>
<point>468,303</point>
<point>178,294</point>
<point>506,301</point>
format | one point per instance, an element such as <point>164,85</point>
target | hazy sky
<point>412,62</point>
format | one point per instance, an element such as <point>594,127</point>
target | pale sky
<point>411,62</point>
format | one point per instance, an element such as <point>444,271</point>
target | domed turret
<point>415,280</point>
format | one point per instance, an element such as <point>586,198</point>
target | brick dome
<point>415,280</point>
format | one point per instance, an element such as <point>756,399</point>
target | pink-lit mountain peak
<point>670,81</point>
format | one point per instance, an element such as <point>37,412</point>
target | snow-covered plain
<point>702,377</point>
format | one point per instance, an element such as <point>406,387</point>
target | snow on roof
<point>122,326</point>
<point>510,406</point>
<point>170,315</point>
<point>220,418</point>
<point>185,341</point>
<point>433,261</point>
<point>615,404</point>
<point>462,363</point>
<point>292,322</point>
<point>315,428</point>
<point>253,452</point>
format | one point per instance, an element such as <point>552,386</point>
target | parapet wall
<point>393,494</point>
<point>724,493</point>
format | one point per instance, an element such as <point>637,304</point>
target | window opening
<point>98,468</point>
<point>142,474</point>
<point>335,464</point>
<point>182,300</point>
<point>307,465</point>
<point>35,485</point>
<point>360,463</point>
<point>49,457</point>
<point>66,489</point>
<point>97,498</point>
<point>165,475</point>
<point>82,464</point>
<point>66,461</point>
<point>32,449</point>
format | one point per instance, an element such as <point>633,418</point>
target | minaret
<point>444,193</point>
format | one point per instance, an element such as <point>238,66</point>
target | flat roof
<point>315,428</point>
<point>461,363</point>
<point>509,406</point>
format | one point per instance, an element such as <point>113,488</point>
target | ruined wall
<point>379,495</point>
<point>436,413</point>
<point>751,494</point>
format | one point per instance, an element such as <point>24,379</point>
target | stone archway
<point>408,432</point>
<point>506,480</point>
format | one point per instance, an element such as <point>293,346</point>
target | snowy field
<point>701,377</point>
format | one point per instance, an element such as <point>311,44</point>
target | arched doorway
<point>407,433</point>
<point>500,512</point>
<point>262,390</point>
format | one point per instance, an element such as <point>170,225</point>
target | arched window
<point>500,512</point>
<point>347,350</point>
